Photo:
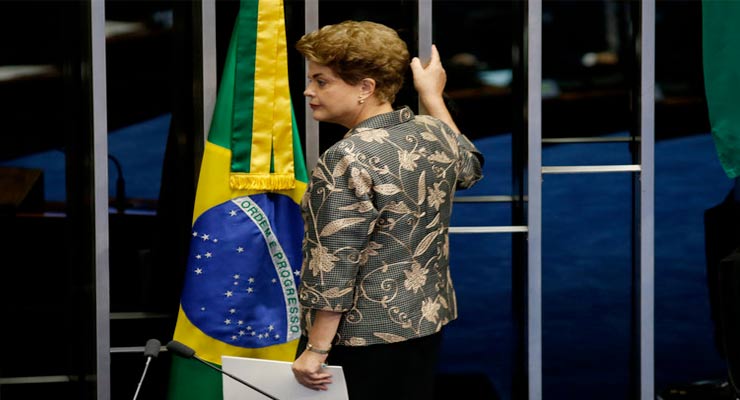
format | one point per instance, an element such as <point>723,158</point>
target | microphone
<point>151,350</point>
<point>186,352</point>
<point>180,349</point>
<point>120,201</point>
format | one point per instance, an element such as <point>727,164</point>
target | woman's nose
<point>308,92</point>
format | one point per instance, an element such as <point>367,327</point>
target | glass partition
<point>154,146</point>
<point>48,304</point>
<point>475,40</point>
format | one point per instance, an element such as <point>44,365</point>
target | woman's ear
<point>367,86</point>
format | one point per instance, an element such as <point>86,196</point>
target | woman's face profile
<point>331,98</point>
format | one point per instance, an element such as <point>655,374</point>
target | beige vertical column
<point>644,283</point>
<point>533,51</point>
<point>99,115</point>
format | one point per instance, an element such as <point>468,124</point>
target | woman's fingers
<point>416,65</point>
<point>434,62</point>
<point>435,55</point>
<point>315,381</point>
<point>311,378</point>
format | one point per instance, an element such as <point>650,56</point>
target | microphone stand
<point>120,186</point>
<point>146,366</point>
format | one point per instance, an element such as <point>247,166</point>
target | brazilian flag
<point>240,292</point>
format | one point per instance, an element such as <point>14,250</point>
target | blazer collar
<point>396,117</point>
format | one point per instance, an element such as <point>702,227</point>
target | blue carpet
<point>586,271</point>
<point>586,261</point>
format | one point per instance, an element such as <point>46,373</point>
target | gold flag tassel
<point>252,181</point>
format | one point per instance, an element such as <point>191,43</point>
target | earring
<point>361,101</point>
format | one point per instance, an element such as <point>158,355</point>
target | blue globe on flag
<point>243,271</point>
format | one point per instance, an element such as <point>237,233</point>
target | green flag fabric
<point>721,35</point>
<point>240,292</point>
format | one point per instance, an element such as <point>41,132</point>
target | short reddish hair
<point>357,50</point>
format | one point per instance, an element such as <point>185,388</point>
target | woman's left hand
<point>429,80</point>
<point>309,371</point>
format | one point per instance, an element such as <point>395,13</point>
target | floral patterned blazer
<point>377,215</point>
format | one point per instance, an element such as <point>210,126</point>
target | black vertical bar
<point>183,153</point>
<point>518,210</point>
<point>633,76</point>
<point>79,225</point>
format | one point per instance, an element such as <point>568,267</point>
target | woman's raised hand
<point>429,80</point>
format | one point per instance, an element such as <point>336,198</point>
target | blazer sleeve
<point>339,215</point>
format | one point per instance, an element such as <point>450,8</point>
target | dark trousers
<point>403,371</point>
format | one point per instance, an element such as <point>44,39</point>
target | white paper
<point>275,378</point>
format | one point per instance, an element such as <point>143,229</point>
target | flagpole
<point>208,51</point>
<point>312,126</point>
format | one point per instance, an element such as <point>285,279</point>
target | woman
<point>376,288</point>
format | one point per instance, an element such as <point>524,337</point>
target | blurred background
<point>48,284</point>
